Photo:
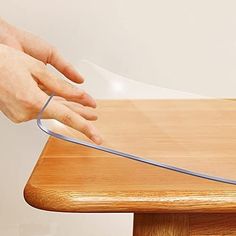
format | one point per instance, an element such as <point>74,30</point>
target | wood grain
<point>197,134</point>
<point>161,225</point>
<point>184,224</point>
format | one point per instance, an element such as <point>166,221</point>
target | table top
<point>72,178</point>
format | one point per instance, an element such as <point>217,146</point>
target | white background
<point>185,45</point>
<point>188,45</point>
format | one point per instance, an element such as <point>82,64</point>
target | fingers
<point>64,89</point>
<point>86,113</point>
<point>60,63</point>
<point>65,115</point>
<point>43,51</point>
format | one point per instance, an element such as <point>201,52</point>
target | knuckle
<point>80,94</point>
<point>22,117</point>
<point>85,128</point>
<point>67,119</point>
<point>52,54</point>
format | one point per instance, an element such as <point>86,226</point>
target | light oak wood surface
<point>196,134</point>
<point>184,224</point>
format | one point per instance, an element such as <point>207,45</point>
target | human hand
<point>25,82</point>
<point>37,48</point>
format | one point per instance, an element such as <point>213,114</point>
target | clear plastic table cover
<point>180,131</point>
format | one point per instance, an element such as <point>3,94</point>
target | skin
<point>25,83</point>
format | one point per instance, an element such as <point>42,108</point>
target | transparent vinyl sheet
<point>166,128</point>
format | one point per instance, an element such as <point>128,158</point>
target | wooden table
<point>72,178</point>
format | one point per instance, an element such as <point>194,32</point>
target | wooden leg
<point>184,224</point>
<point>161,225</point>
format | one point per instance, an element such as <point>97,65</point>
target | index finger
<point>62,65</point>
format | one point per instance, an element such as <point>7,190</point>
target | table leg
<point>197,224</point>
<point>161,224</point>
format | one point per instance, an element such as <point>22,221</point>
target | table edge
<point>168,202</point>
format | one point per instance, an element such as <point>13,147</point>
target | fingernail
<point>96,139</point>
<point>91,101</point>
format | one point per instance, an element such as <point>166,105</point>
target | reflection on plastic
<point>191,136</point>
